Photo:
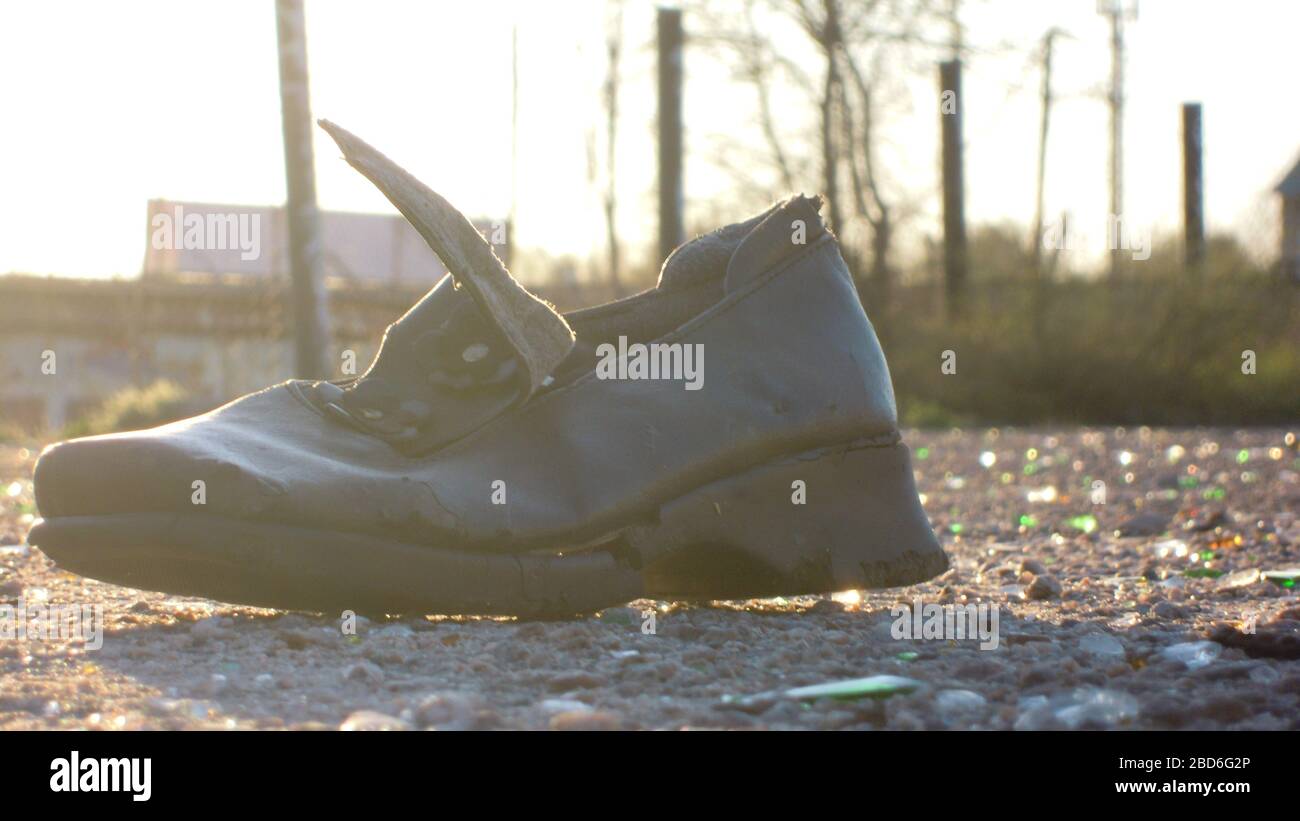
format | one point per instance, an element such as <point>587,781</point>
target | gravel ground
<point>1142,609</point>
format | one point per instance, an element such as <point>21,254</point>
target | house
<point>1289,189</point>
<point>253,241</point>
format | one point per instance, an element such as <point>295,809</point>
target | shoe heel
<point>834,519</point>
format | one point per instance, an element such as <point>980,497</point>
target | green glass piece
<point>869,687</point>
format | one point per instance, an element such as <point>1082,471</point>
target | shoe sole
<point>859,524</point>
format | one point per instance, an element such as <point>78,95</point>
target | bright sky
<point>106,105</point>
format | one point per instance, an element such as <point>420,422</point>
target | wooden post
<point>954,195</point>
<point>1193,187</point>
<point>310,310</point>
<point>614,50</point>
<point>671,225</point>
<point>1036,248</point>
<point>1118,13</point>
<point>511,220</point>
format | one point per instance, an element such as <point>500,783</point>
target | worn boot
<point>729,433</point>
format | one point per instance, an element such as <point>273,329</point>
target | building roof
<point>1290,184</point>
<point>377,248</point>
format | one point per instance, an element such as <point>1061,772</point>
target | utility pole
<point>1037,240</point>
<point>1115,10</point>
<point>1193,188</point>
<point>954,190</point>
<point>310,309</point>
<point>514,144</point>
<point>672,231</point>
<point>613,48</point>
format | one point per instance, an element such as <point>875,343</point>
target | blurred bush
<point>135,408</point>
<point>1159,345</point>
<point>12,434</point>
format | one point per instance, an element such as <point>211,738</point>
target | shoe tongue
<point>538,335</point>
<point>474,345</point>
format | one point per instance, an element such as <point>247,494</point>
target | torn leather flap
<point>539,336</point>
<point>443,370</point>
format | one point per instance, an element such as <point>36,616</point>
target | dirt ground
<point>1135,603</point>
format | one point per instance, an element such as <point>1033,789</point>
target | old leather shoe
<point>729,433</point>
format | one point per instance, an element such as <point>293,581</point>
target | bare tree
<point>846,47</point>
<point>613,48</point>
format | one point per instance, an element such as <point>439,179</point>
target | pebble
<point>1168,610</point>
<point>369,720</point>
<point>365,672</point>
<point>1239,578</point>
<point>446,711</point>
<point>574,680</point>
<point>563,705</point>
<point>626,616</point>
<point>1100,644</point>
<point>1144,524</point>
<point>1033,567</point>
<point>1193,654</point>
<point>1224,707</point>
<point>588,720</point>
<point>216,684</point>
<point>826,606</point>
<point>1084,707</point>
<point>959,702</point>
<point>208,628</point>
<point>1043,587</point>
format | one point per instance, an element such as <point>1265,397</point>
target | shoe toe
<point>118,473</point>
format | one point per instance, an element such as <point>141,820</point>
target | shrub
<point>135,408</point>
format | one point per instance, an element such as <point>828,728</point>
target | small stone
<point>626,616</point>
<point>216,684</point>
<point>826,606</point>
<point>1193,654</point>
<point>393,631</point>
<point>1168,610</point>
<point>959,702</point>
<point>300,639</point>
<point>1144,524</point>
<point>586,720</point>
<point>1225,707</point>
<point>1239,578</point>
<point>447,711</point>
<point>369,720</point>
<point>1033,567</point>
<point>1100,644</point>
<point>1084,707</point>
<point>563,705</point>
<point>1265,642</point>
<point>1164,711</point>
<point>208,628</point>
<point>574,680</point>
<point>1043,587</point>
<point>364,672</point>
<point>1040,674</point>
